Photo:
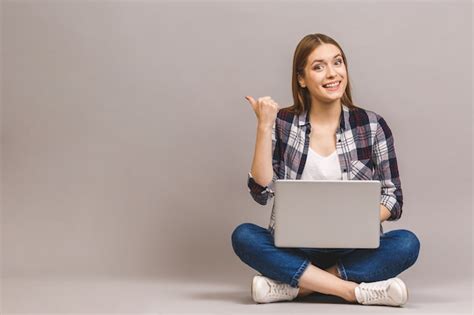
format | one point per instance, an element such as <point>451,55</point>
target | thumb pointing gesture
<point>252,102</point>
<point>265,109</point>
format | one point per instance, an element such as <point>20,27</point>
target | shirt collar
<point>303,118</point>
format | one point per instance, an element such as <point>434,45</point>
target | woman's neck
<point>326,114</point>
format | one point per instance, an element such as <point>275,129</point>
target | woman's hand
<point>384,213</point>
<point>266,110</point>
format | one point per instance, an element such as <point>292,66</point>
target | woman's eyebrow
<point>323,60</point>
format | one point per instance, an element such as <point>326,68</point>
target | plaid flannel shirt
<point>364,144</point>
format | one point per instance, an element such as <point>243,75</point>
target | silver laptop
<point>327,213</point>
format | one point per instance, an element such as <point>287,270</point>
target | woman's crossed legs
<point>328,271</point>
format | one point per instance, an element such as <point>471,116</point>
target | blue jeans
<point>254,245</point>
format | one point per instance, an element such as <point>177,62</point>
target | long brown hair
<point>301,96</point>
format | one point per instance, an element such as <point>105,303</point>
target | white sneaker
<point>266,290</point>
<point>391,292</point>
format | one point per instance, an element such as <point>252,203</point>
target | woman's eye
<point>318,67</point>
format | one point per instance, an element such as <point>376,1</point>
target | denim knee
<point>409,246</point>
<point>241,236</point>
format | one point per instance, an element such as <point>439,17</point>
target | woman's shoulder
<point>286,114</point>
<point>285,119</point>
<point>357,116</point>
<point>364,116</point>
<point>284,122</point>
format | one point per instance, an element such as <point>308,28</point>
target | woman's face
<point>325,65</point>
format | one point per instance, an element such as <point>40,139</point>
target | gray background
<point>126,139</point>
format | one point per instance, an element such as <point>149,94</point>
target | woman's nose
<point>331,72</point>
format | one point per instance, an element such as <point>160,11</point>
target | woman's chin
<point>332,98</point>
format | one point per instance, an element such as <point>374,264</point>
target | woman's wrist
<point>264,127</point>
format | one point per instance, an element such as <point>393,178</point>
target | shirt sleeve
<point>386,170</point>
<point>260,193</point>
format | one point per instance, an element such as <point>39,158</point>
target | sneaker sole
<point>405,290</point>
<point>252,292</point>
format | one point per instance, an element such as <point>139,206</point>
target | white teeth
<point>331,85</point>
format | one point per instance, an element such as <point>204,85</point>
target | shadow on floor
<point>321,298</point>
<point>244,297</point>
<point>240,297</point>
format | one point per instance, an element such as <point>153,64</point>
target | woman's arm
<point>262,193</point>
<point>384,213</point>
<point>262,170</point>
<point>386,171</point>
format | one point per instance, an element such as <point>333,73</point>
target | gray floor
<point>223,296</point>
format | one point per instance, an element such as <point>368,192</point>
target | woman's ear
<point>301,81</point>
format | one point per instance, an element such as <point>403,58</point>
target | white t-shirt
<point>318,167</point>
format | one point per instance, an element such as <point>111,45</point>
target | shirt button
<point>339,140</point>
<point>345,170</point>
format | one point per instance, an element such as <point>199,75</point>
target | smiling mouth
<point>332,86</point>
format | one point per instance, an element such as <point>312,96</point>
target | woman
<point>324,136</point>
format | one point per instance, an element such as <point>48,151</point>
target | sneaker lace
<point>375,292</point>
<point>279,289</point>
